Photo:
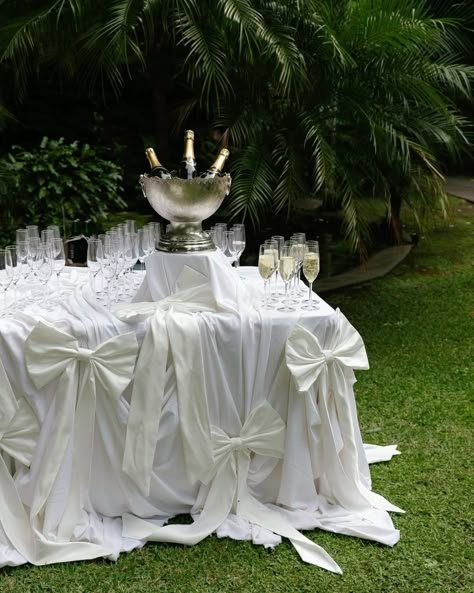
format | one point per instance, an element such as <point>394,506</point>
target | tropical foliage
<point>56,182</point>
<point>315,98</point>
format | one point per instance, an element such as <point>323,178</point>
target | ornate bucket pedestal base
<point>186,238</point>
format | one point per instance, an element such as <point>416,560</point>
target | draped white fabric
<point>220,415</point>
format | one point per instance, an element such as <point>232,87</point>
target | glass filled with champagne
<point>311,271</point>
<point>266,267</point>
<point>287,269</point>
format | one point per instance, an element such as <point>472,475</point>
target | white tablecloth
<point>243,365</point>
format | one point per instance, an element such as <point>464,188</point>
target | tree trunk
<point>394,235</point>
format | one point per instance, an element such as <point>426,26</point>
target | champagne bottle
<point>156,168</point>
<point>187,167</point>
<point>217,165</point>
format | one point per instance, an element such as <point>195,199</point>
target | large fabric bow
<point>342,460</point>
<point>264,434</point>
<point>19,430</point>
<point>170,326</point>
<point>52,354</point>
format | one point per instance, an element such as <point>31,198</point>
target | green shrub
<point>55,183</point>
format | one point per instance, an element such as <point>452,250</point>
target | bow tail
<point>185,342</point>
<point>13,517</point>
<point>217,507</point>
<point>145,406</point>
<point>58,441</point>
<point>83,442</point>
<point>335,482</point>
<point>342,465</point>
<point>254,511</point>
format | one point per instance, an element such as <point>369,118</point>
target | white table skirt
<point>243,365</point>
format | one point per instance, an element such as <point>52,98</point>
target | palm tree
<point>318,98</point>
<point>381,105</point>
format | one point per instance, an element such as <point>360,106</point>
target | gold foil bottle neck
<point>188,153</point>
<point>152,158</point>
<point>219,163</point>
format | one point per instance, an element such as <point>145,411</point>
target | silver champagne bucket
<point>185,203</point>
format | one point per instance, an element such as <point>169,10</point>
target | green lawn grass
<point>418,326</point>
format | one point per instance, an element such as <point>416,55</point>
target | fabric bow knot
<point>340,456</point>
<point>263,433</point>
<point>306,359</point>
<point>171,326</point>
<point>84,354</point>
<point>53,354</point>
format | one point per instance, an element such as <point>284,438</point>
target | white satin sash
<point>19,430</point>
<point>341,460</point>
<point>51,354</point>
<point>264,434</point>
<point>171,329</point>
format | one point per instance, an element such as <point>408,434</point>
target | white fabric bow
<point>19,430</point>
<point>341,460</point>
<point>170,326</point>
<point>263,433</point>
<point>52,354</point>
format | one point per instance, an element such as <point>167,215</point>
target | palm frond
<point>251,191</point>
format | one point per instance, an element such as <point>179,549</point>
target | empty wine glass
<point>59,257</point>
<point>6,275</point>
<point>287,270</point>
<point>311,271</point>
<point>47,236</point>
<point>266,267</point>
<point>131,225</point>
<point>55,229</point>
<point>239,241</point>
<point>109,266</point>
<point>16,269</point>
<point>22,249</point>
<point>33,231</point>
<point>231,250</point>
<point>34,254</point>
<point>146,244</point>
<point>94,259</point>
<point>21,235</point>
<point>44,266</point>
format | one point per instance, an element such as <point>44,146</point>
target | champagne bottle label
<point>187,168</point>
<point>217,165</point>
<point>156,168</point>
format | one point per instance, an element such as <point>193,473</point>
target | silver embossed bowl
<point>185,203</point>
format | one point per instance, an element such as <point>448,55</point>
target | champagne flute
<point>44,266</point>
<point>239,241</point>
<point>287,268</point>
<point>300,239</point>
<point>94,259</point>
<point>47,236</point>
<point>109,266</point>
<point>21,235</point>
<point>144,242</point>
<point>55,229</point>
<point>6,274</point>
<point>272,249</point>
<point>231,250</point>
<point>59,257</point>
<point>311,271</point>
<point>16,269</point>
<point>34,253</point>
<point>266,267</point>
<point>33,231</point>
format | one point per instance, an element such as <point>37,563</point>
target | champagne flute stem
<point>310,294</point>
<point>265,294</point>
<point>287,296</point>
